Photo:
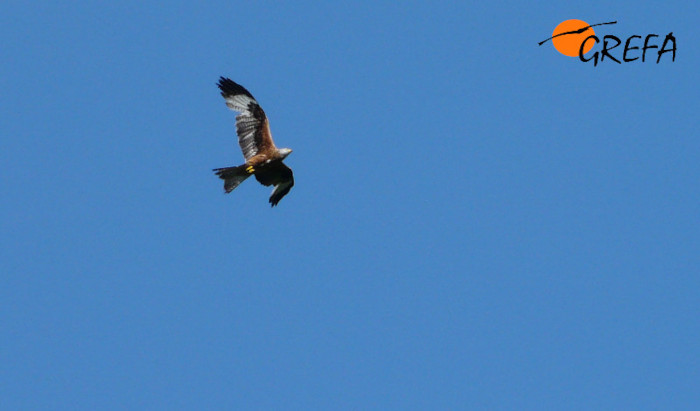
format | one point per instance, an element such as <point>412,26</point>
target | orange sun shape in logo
<point>570,44</point>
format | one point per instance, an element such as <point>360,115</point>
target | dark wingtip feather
<point>229,87</point>
<point>275,198</point>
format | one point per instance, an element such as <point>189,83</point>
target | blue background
<point>477,222</point>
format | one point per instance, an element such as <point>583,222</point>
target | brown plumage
<point>262,158</point>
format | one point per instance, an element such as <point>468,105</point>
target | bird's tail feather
<point>232,176</point>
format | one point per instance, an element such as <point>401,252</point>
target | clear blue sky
<point>477,222</point>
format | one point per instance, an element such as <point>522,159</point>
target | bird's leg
<point>253,163</point>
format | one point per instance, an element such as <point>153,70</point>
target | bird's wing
<point>279,175</point>
<point>252,126</point>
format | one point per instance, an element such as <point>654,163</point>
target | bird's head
<point>284,152</point>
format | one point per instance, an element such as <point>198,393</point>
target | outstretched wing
<point>279,175</point>
<point>252,126</point>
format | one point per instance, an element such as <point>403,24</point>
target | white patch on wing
<point>279,189</point>
<point>246,127</point>
<point>246,124</point>
<point>239,102</point>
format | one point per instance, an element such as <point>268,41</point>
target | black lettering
<point>669,37</point>
<point>583,46</point>
<point>646,46</point>
<point>628,48</point>
<point>605,50</point>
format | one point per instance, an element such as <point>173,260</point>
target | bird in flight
<point>262,158</point>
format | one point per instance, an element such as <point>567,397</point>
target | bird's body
<point>262,158</point>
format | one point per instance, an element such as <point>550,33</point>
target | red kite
<point>262,158</point>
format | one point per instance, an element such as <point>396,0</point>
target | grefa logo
<point>576,38</point>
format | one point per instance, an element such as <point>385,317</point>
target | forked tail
<point>232,176</point>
